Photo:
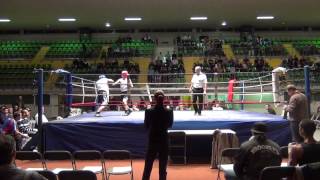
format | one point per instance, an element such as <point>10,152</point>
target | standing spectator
<point>308,151</point>
<point>255,154</point>
<point>298,111</point>
<point>157,121</point>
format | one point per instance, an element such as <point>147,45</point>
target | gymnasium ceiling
<point>161,14</point>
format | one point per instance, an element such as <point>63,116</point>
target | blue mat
<point>116,131</point>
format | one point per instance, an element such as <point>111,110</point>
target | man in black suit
<point>157,120</point>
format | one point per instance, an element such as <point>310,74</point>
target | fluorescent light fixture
<point>132,18</point>
<point>108,24</point>
<point>200,18</point>
<point>5,20</point>
<point>265,17</point>
<point>224,23</point>
<point>67,19</point>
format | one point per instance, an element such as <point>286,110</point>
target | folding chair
<point>118,170</point>
<point>177,146</point>
<point>77,175</point>
<point>58,156</point>
<point>227,153</point>
<point>89,155</point>
<point>31,156</point>
<point>48,174</point>
<point>276,172</point>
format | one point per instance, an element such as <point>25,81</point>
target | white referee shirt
<point>198,81</point>
<point>123,84</point>
<point>102,84</point>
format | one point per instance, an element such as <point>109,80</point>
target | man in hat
<point>125,84</point>
<point>198,88</point>
<point>103,93</point>
<point>298,111</point>
<point>254,155</point>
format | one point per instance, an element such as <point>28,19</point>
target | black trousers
<point>154,149</point>
<point>294,127</point>
<point>197,97</point>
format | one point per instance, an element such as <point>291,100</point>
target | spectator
<point>7,125</point>
<point>7,168</point>
<point>255,154</point>
<point>157,121</point>
<point>270,109</point>
<point>307,151</point>
<point>298,111</point>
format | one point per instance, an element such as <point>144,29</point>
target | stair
<point>228,51</point>
<point>291,50</point>
<point>40,55</point>
<point>188,66</point>
<point>143,66</point>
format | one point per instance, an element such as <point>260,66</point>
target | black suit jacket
<point>157,120</point>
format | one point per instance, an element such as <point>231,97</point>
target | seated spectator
<point>255,154</point>
<point>20,138</point>
<point>135,107</point>
<point>24,125</point>
<point>7,168</point>
<point>7,125</point>
<point>270,109</point>
<point>5,111</point>
<point>308,151</point>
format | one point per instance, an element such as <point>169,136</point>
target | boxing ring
<point>115,131</point>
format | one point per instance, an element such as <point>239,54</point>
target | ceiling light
<point>132,18</point>
<point>5,20</point>
<point>265,17</point>
<point>108,24</point>
<point>67,19</point>
<point>224,23</point>
<point>198,18</point>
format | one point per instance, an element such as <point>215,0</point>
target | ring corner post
<point>68,78</point>
<point>39,73</point>
<point>242,95</point>
<point>307,86</point>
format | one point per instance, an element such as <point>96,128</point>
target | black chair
<point>118,155</point>
<point>284,152</point>
<point>227,153</point>
<point>58,156</point>
<point>277,172</point>
<point>77,175</point>
<point>48,174</point>
<point>310,171</point>
<point>31,156</point>
<point>90,155</point>
<point>177,146</point>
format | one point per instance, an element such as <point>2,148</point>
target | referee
<point>198,88</point>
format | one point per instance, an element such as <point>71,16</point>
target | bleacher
<point>307,47</point>
<point>19,49</point>
<point>134,48</point>
<point>74,49</point>
<point>20,76</point>
<point>272,48</point>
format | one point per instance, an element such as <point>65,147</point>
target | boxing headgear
<point>124,74</point>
